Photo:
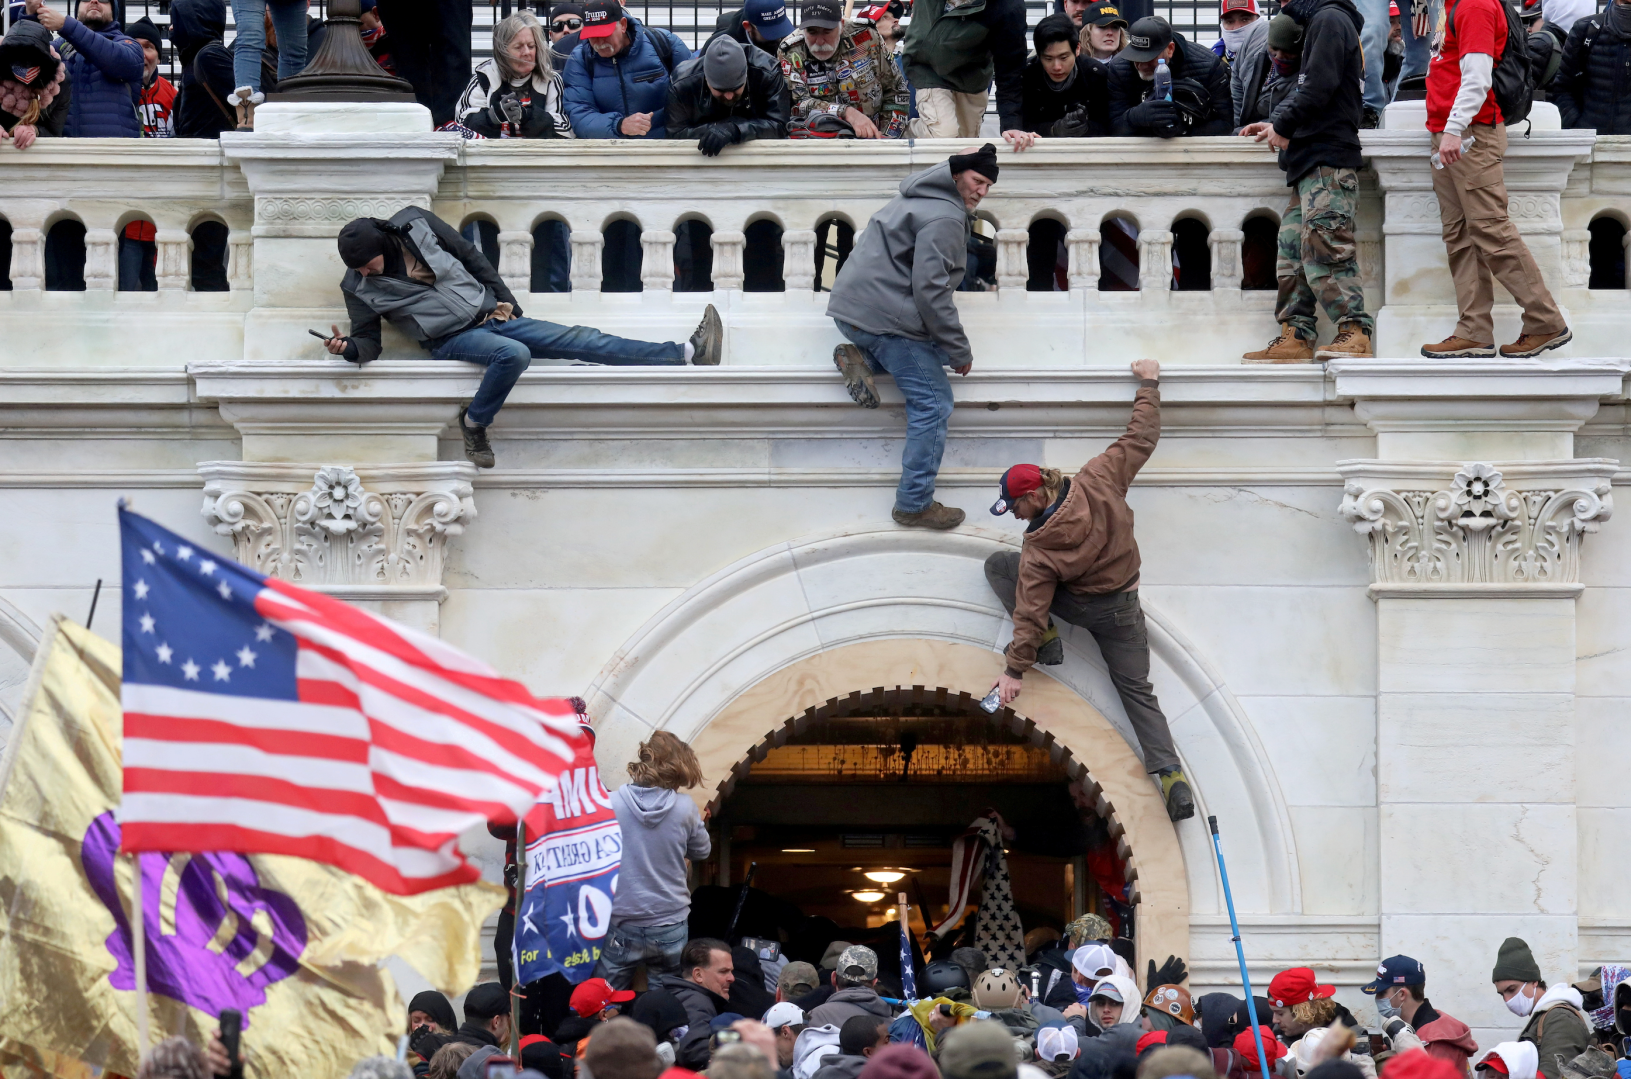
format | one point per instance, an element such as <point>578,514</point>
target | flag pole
<point>515,951</point>
<point>1240,951</point>
<point>138,919</point>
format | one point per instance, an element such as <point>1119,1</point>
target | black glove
<point>1172,972</point>
<point>1158,116</point>
<point>717,137</point>
<point>1074,125</point>
<point>425,1042</point>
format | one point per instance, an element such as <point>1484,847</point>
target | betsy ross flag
<point>264,718</point>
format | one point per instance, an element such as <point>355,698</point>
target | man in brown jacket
<point>1081,538</point>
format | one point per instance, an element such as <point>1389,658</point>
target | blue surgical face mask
<point>1384,1007</point>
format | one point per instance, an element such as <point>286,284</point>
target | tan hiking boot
<point>933,516</point>
<point>1533,344</point>
<point>1454,348</point>
<point>1351,342</point>
<point>1287,348</point>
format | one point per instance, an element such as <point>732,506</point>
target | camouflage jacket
<point>862,74</point>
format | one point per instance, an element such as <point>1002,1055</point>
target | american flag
<point>267,719</point>
<point>908,973</point>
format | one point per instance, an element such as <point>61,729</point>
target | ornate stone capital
<point>1477,528</point>
<point>378,534</point>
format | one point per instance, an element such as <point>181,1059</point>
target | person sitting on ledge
<point>440,290</point>
<point>1080,563</point>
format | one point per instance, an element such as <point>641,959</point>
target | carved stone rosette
<point>335,529</point>
<point>1518,525</point>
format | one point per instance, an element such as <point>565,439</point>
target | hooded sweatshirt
<point>1521,1058</point>
<point>1124,1033</point>
<point>904,270</point>
<point>848,1003</point>
<point>1444,1037</point>
<point>1322,117</point>
<point>1558,1029</point>
<point>813,1047</point>
<point>660,831</point>
<point>196,28</point>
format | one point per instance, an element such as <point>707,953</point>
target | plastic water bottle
<point>1163,81</point>
<point>1438,161</point>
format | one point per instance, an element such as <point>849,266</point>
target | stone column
<point>515,260</point>
<point>1083,247</point>
<point>728,260</point>
<point>241,268</point>
<point>1226,267</point>
<point>798,259</point>
<point>1012,269</point>
<point>657,260</point>
<point>101,259</point>
<point>1155,260</point>
<point>174,270</point>
<point>1419,297</point>
<point>586,249</point>
<point>27,259</point>
<point>1474,511</point>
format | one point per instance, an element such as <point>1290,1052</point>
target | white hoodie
<point>1522,1058</point>
<point>1131,1003</point>
<point>814,1045</point>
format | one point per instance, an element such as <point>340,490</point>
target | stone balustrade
<point>1208,205</point>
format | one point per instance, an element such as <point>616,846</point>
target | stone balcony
<point>282,193</point>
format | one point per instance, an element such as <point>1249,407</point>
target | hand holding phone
<point>333,342</point>
<point>232,1022</point>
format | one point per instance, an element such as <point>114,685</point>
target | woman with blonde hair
<point>517,93</point>
<point>661,829</point>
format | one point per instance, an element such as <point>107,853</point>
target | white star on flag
<point>206,567</point>
<point>246,658</point>
<point>264,631</point>
<point>164,652</point>
<point>223,672</point>
<point>226,593</point>
<point>184,553</point>
<point>140,587</point>
<point>189,670</point>
<point>147,556</point>
<point>147,623</point>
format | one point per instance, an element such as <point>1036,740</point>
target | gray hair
<point>507,30</point>
<point>381,1068</point>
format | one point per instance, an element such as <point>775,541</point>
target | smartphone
<point>499,1066</point>
<point>725,1037</point>
<point>232,1025</point>
<point>1378,1045</point>
<point>764,949</point>
<point>319,336</point>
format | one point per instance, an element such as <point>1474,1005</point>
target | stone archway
<point>793,625</point>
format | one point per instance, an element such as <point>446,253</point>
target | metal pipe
<point>1240,952</point>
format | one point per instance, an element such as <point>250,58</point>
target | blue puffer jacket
<point>599,93</point>
<point>106,72</point>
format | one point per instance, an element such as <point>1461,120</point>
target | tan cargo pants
<point>947,114</point>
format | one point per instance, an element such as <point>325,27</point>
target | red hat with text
<point>1237,5</point>
<point>600,18</point>
<point>1292,987</point>
<point>596,994</point>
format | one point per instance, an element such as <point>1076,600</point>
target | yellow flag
<point>294,945</point>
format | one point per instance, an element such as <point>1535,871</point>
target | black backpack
<point>1514,79</point>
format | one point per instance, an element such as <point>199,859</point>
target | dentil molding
<point>380,532</point>
<point>1476,529</point>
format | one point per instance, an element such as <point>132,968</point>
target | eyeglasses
<point>566,26</point>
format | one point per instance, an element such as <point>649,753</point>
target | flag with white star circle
<point>264,718</point>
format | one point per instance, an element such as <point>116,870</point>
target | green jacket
<point>961,47</point>
<point>1559,1033</point>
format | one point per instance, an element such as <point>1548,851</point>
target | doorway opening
<point>839,810</point>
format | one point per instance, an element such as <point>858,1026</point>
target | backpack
<point>1514,79</point>
<point>664,47</point>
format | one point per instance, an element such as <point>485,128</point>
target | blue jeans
<point>508,348</point>
<point>627,946</point>
<point>1373,41</point>
<point>288,19</point>
<point>919,370</point>
<point>136,265</point>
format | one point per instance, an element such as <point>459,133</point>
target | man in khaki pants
<point>953,49</point>
<point>1483,243</point>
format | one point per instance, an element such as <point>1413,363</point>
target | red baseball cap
<point>1152,1037</point>
<point>1291,987</point>
<point>1246,1046</point>
<point>594,994</point>
<point>1237,5</point>
<point>1017,482</point>
<point>600,18</point>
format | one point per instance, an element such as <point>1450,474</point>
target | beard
<point>96,24</point>
<point>824,52</point>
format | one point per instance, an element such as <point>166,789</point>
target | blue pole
<point>1240,953</point>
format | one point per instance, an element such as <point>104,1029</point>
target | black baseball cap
<point>1147,39</point>
<point>600,18</point>
<point>1104,13</point>
<point>823,15</point>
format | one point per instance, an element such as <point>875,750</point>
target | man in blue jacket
<point>105,68</point>
<point>617,79</point>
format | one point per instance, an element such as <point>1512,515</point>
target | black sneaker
<point>476,446</point>
<point>1051,653</point>
<point>1371,121</point>
<point>1176,793</point>
<point>708,340</point>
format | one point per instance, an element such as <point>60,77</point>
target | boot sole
<point>707,341</point>
<point>1181,806</point>
<point>857,376</point>
<point>1300,359</point>
<point>1479,353</point>
<point>1561,339</point>
<point>906,522</point>
<point>1332,354</point>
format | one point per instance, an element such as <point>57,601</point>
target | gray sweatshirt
<point>661,829</point>
<point>905,269</point>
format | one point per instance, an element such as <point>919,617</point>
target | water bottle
<point>1438,161</point>
<point>1163,81</point>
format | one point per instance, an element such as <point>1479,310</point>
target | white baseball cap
<point>1055,1044</point>
<point>1094,961</point>
<point>783,1014</point>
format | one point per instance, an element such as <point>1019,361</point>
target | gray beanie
<point>725,64</point>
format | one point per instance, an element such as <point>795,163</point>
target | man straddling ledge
<point>1080,563</point>
<point>439,289</point>
<point>893,299</point>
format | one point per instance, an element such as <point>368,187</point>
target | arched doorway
<point>855,801</point>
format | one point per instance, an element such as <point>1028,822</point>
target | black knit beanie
<point>437,1006</point>
<point>982,161</point>
<point>360,240</point>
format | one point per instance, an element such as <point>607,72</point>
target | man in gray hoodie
<point>893,299</point>
<point>661,830</point>
<point>855,982</point>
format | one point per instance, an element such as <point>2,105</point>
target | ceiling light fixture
<point>885,876</point>
<point>798,850</point>
<point>867,897</point>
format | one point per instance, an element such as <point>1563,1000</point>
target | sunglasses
<point>567,25</point>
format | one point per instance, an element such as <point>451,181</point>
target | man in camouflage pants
<point>843,75</point>
<point>1316,131</point>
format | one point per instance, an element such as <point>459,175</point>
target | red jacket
<point>157,102</point>
<point>1445,1038</point>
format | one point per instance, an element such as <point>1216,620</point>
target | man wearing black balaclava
<point>440,290</point>
<point>893,301</point>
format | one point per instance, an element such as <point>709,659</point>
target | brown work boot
<point>1533,344</point>
<point>933,516</point>
<point>1454,348</point>
<point>1287,348</point>
<point>857,375</point>
<point>1350,343</point>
